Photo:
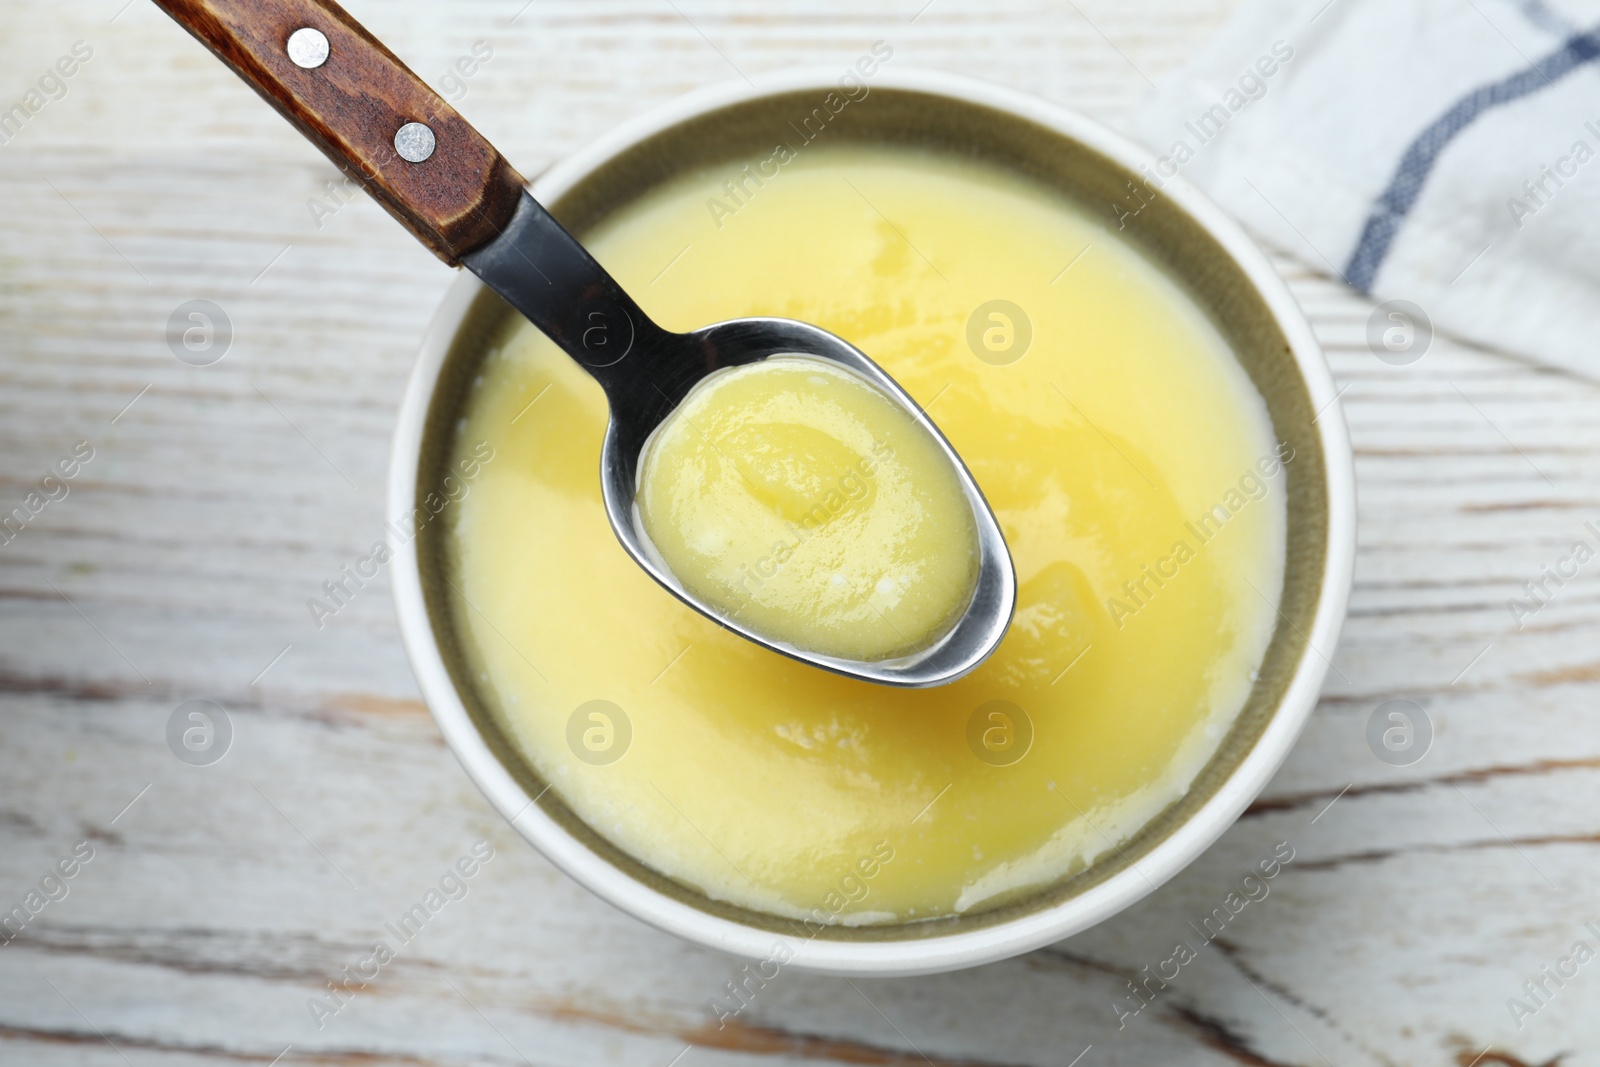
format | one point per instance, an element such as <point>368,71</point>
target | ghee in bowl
<point>1127,456</point>
<point>796,496</point>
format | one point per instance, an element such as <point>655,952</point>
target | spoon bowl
<point>961,649</point>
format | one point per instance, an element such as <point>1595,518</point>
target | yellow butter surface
<point>1129,461</point>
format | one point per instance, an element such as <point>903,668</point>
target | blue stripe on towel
<point>1396,201</point>
<point>1546,18</point>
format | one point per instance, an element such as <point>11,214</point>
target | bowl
<point>1224,272</point>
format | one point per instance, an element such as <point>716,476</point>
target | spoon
<point>420,159</point>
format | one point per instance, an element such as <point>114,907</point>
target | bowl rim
<point>939,952</point>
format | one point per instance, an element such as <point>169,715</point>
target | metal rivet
<point>414,142</point>
<point>308,48</point>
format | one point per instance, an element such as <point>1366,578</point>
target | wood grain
<point>179,566</point>
<point>351,106</point>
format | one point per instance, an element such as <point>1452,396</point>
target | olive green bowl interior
<point>747,131</point>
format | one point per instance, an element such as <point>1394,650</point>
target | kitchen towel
<point>1442,156</point>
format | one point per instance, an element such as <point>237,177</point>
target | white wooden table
<point>220,898</point>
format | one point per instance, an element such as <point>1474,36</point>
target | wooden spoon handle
<point>353,105</point>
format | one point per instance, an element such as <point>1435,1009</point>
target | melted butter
<point>796,497</point>
<point>781,787</point>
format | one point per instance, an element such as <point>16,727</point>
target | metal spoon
<point>543,272</point>
<point>380,123</point>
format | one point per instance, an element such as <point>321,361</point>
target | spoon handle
<point>367,111</point>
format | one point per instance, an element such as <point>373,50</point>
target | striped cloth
<point>1442,154</point>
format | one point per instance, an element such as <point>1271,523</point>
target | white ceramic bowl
<point>1233,280</point>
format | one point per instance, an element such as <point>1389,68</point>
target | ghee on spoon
<point>795,496</point>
